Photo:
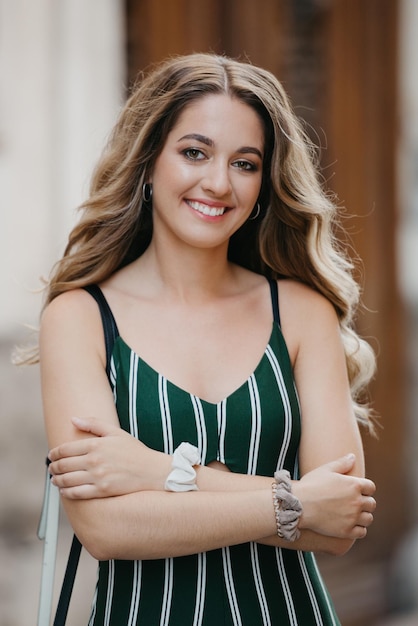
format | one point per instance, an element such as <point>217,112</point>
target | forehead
<point>215,115</point>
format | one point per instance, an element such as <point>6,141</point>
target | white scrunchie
<point>183,475</point>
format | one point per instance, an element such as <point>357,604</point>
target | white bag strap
<point>48,532</point>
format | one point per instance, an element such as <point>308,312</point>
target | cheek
<point>167,179</point>
<point>252,191</point>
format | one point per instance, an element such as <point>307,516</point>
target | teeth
<point>207,210</point>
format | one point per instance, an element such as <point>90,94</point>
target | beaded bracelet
<point>183,475</point>
<point>287,507</point>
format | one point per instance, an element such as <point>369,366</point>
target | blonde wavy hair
<point>294,235</point>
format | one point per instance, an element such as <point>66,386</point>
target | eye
<point>193,154</point>
<point>245,165</point>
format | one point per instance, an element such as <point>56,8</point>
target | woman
<point>206,189</point>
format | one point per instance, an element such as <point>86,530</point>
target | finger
<point>365,519</point>
<point>368,488</point>
<point>70,449</point>
<point>81,492</point>
<point>71,479</point>
<point>359,532</point>
<point>92,425</point>
<point>68,464</point>
<point>369,505</point>
<point>343,465</point>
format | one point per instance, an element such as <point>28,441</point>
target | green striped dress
<point>255,430</point>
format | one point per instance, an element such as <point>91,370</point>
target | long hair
<point>294,235</point>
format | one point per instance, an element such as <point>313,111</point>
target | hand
<point>335,503</point>
<point>110,463</point>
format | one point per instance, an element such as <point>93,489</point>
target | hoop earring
<point>257,213</point>
<point>147,192</point>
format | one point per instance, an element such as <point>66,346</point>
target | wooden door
<point>338,61</point>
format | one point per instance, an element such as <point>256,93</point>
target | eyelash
<point>187,153</point>
<point>247,166</point>
<point>244,165</point>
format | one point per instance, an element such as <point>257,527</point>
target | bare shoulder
<point>305,315</point>
<point>73,365</point>
<point>72,318</point>
<point>302,301</point>
<point>75,305</point>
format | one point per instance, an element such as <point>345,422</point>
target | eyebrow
<point>209,142</point>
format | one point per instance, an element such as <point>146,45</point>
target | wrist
<point>164,468</point>
<point>306,518</point>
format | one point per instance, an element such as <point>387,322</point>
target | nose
<point>217,178</point>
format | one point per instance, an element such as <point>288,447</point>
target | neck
<point>189,274</point>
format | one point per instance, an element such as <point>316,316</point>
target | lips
<point>205,209</point>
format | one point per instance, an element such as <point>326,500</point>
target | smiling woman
<point>200,477</point>
<point>216,172</point>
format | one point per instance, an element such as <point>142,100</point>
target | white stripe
<point>254,446</point>
<point>286,405</point>
<point>281,458</point>
<point>230,588</point>
<point>285,587</point>
<point>325,594</point>
<point>133,426</point>
<point>109,593</point>
<point>259,584</point>
<point>136,592</point>
<point>296,469</point>
<point>93,608</point>
<point>309,589</point>
<point>165,415</point>
<point>167,432</point>
<point>200,589</point>
<point>199,416</point>
<point>112,377</point>
<point>220,415</point>
<point>168,593</point>
<point>133,384</point>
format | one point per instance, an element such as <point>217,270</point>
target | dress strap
<point>110,328</point>
<point>275,300</point>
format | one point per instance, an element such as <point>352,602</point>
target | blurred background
<point>350,69</point>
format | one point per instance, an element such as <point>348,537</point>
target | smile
<point>205,209</point>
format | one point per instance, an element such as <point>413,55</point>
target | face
<point>207,178</point>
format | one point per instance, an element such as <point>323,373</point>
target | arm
<point>146,524</point>
<point>329,426</point>
<point>110,452</point>
<point>142,524</point>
